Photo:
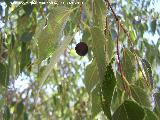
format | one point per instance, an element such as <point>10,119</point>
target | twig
<point>121,25</point>
<point>119,61</point>
<point>125,31</point>
<point>117,43</point>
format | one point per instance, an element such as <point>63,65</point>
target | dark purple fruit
<point>81,49</point>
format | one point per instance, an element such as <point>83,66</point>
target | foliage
<point>116,80</point>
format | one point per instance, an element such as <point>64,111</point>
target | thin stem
<point>121,25</point>
<point>118,54</point>
<point>127,34</point>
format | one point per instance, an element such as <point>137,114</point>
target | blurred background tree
<point>42,77</point>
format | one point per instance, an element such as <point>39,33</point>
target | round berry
<point>81,49</point>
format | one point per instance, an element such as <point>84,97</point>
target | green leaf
<point>87,39</point>
<point>153,26</point>
<point>28,8</point>
<point>12,40</point>
<point>49,36</point>
<point>25,56</point>
<point>129,64</point>
<point>117,99</point>
<point>119,80</point>
<point>26,37</point>
<point>157,104</point>
<point>60,89</point>
<point>23,24</point>
<point>19,109</point>
<point>99,10</point>
<point>129,110</point>
<point>110,45</point>
<point>149,115</point>
<point>132,34</point>
<point>53,60</point>
<point>140,96</point>
<point>98,50</point>
<point>18,8</point>
<point>96,101</point>
<point>25,116</point>
<point>150,49</point>
<point>7,114</point>
<point>69,27</point>
<point>3,75</point>
<point>91,76</point>
<point>148,71</point>
<point>107,89</point>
